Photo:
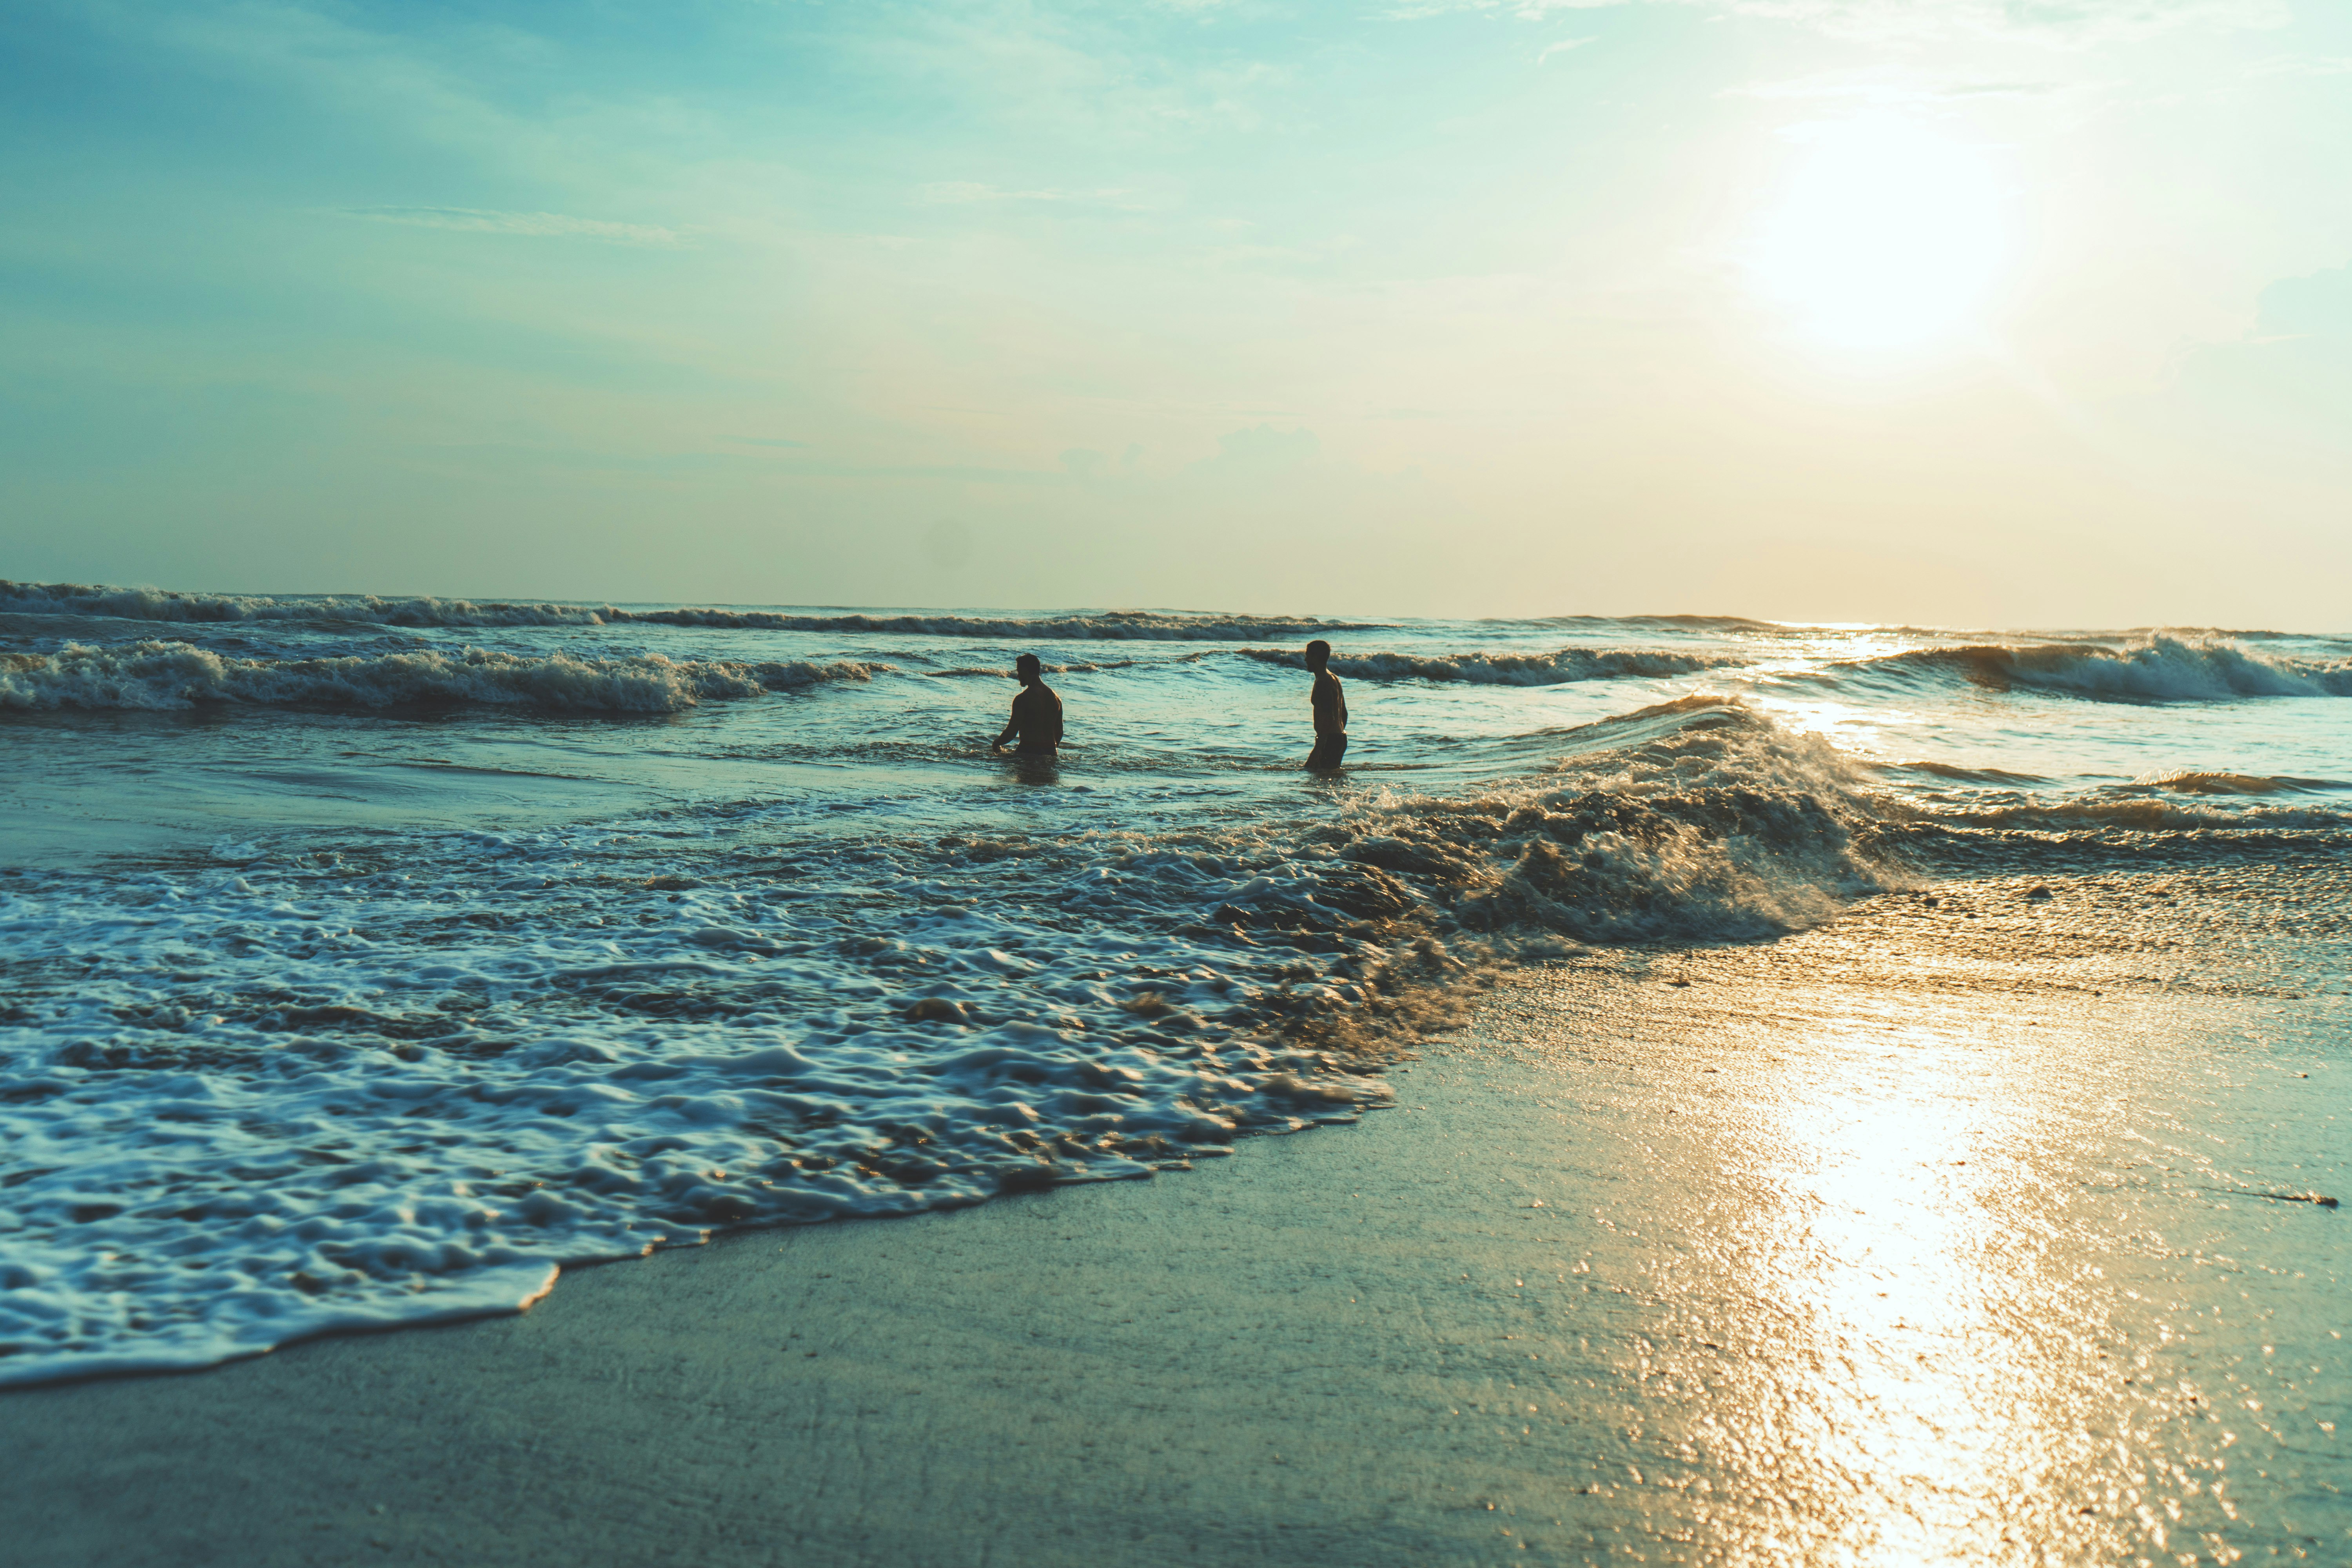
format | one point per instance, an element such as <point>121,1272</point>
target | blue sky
<point>1972,311</point>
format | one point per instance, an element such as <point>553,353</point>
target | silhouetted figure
<point>1330,709</point>
<point>1037,712</point>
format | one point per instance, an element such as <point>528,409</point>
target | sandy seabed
<point>1951,1232</point>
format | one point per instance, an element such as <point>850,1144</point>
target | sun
<point>1887,236</point>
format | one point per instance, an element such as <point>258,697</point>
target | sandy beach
<point>1195,785</point>
<point>1930,1237</point>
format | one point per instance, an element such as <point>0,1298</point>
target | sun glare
<point>1888,236</point>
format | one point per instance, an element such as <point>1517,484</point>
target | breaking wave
<point>488,1055</point>
<point>165,676</point>
<point>1664,623</point>
<point>156,604</point>
<point>2156,670</point>
<point>1112,626</point>
<point>1072,666</point>
<point>1568,665</point>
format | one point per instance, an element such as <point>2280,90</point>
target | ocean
<point>365,960</point>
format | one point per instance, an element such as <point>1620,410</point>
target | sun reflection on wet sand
<point>1905,1298</point>
<point>1960,1281</point>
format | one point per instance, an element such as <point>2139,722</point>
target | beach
<point>1951,1232</point>
<point>1066,785</point>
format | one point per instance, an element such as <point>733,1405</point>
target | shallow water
<point>365,960</point>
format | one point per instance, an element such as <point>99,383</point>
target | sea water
<point>364,960</point>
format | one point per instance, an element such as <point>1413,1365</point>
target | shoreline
<point>1784,1254</point>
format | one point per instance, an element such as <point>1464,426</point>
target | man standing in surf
<point>1037,712</point>
<point>1330,710</point>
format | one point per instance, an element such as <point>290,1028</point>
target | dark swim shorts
<point>1328,750</point>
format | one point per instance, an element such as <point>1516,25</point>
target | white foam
<point>1698,820</point>
<point>162,675</point>
<point>1496,668</point>
<point>2157,669</point>
<point>157,605</point>
<point>2136,809</point>
<point>1114,626</point>
<point>269,1099</point>
<point>290,1090</point>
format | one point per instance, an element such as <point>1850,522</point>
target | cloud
<point>957,193</point>
<point>2061,22</point>
<point>547,225</point>
<point>1259,452</point>
<point>1525,10</point>
<point>1563,46</point>
<point>2289,378</point>
<point>2303,65</point>
<point>2316,305</point>
<point>2070,23</point>
<point>1888,89</point>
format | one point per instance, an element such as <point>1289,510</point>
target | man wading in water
<point>1330,709</point>
<point>1037,712</point>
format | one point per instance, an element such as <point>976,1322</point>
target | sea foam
<point>1493,668</point>
<point>2160,669</point>
<point>1112,625</point>
<point>155,605</point>
<point>164,676</point>
<point>302,1089</point>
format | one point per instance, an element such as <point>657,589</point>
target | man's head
<point>1318,653</point>
<point>1028,669</point>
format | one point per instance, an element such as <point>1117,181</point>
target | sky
<point>1962,313</point>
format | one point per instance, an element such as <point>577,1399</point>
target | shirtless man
<point>1330,709</point>
<point>1037,712</point>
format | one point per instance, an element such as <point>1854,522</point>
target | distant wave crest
<point>2160,669</point>
<point>1568,665</point>
<point>165,676</point>
<point>157,605</point>
<point>1113,626</point>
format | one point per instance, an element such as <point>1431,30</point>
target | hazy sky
<point>1968,311</point>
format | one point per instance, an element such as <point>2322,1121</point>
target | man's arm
<point>1010,724</point>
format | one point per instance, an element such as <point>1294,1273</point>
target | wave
<point>1074,667</point>
<point>663,1038</point>
<point>2192,781</point>
<point>156,676</point>
<point>2156,670</point>
<point>1958,775</point>
<point>1667,622</point>
<point>1568,665</point>
<point>156,604</point>
<point>1696,820</point>
<point>2121,810</point>
<point>1115,626</point>
<point>2179,800</point>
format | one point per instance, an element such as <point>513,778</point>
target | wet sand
<point>1927,1237</point>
